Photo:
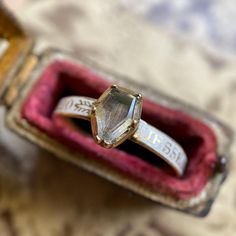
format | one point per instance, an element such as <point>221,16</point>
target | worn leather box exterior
<point>22,70</point>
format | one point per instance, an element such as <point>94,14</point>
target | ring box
<point>31,86</point>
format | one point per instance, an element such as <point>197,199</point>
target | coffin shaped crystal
<point>116,116</point>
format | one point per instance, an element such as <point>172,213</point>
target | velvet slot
<point>62,78</point>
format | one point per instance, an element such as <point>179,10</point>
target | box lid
<point>15,44</point>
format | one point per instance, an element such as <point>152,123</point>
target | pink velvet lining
<point>63,78</point>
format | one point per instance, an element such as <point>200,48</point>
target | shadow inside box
<point>84,126</point>
<point>130,147</point>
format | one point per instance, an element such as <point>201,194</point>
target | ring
<point>116,116</point>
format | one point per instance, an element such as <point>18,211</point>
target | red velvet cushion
<point>63,78</point>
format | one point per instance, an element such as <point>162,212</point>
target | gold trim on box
<point>18,46</point>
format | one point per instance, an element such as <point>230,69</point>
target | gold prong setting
<point>115,116</point>
<point>102,142</point>
<point>106,144</point>
<point>98,139</point>
<point>114,86</point>
<point>138,96</point>
<point>94,109</point>
<point>134,123</point>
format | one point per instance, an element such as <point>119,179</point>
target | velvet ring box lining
<point>62,78</point>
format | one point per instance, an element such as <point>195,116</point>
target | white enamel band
<point>145,135</point>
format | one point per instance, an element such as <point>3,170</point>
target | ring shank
<point>161,145</point>
<point>146,135</point>
<point>75,107</point>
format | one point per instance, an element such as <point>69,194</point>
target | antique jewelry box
<point>31,86</point>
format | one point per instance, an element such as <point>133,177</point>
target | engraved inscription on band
<point>77,106</point>
<point>160,144</point>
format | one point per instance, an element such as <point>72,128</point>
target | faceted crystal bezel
<point>130,130</point>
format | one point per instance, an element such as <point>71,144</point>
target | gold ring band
<point>115,117</point>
